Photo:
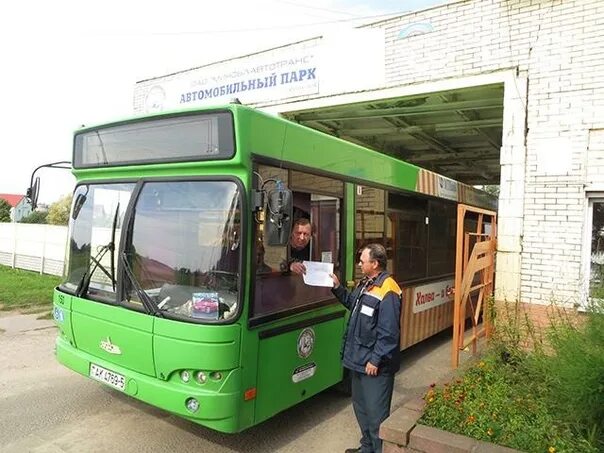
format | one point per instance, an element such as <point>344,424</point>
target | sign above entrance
<point>276,74</point>
<point>342,61</point>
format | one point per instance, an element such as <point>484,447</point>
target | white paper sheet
<point>317,273</point>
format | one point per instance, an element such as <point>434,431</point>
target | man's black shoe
<point>353,450</point>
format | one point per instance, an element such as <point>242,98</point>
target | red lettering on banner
<point>424,298</point>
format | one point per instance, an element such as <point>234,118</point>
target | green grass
<point>546,399</point>
<point>26,291</point>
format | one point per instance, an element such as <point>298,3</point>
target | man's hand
<point>370,369</point>
<point>336,280</point>
<point>297,268</point>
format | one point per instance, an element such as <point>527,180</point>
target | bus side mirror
<point>279,207</point>
<point>32,193</point>
<point>34,185</point>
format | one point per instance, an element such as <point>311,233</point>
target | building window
<point>596,261</point>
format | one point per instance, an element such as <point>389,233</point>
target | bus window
<point>410,236</point>
<point>441,241</point>
<point>423,236</point>
<point>94,239</point>
<point>318,217</point>
<point>370,219</point>
<point>192,270</point>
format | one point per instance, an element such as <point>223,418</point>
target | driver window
<point>314,236</point>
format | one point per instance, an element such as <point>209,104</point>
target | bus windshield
<point>181,255</point>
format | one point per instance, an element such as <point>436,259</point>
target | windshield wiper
<point>85,281</point>
<point>104,153</point>
<point>148,303</point>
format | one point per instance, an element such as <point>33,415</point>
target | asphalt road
<point>45,407</point>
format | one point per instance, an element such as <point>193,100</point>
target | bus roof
<point>264,136</point>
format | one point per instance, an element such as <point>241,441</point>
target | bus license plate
<point>108,377</point>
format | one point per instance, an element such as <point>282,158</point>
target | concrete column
<point>511,195</point>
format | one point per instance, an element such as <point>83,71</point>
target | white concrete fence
<point>34,247</point>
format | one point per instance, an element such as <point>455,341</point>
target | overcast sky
<point>69,63</point>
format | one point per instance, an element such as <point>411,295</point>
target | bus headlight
<point>201,377</point>
<point>192,405</point>
<point>185,376</point>
<point>216,375</point>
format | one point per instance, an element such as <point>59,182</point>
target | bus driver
<point>299,246</point>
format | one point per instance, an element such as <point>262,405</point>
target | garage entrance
<point>457,133</point>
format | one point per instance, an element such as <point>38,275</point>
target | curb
<point>401,433</point>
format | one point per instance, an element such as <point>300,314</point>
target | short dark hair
<point>303,221</point>
<point>377,252</point>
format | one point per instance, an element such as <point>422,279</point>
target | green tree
<point>4,210</point>
<point>58,212</point>
<point>35,217</point>
<point>491,189</point>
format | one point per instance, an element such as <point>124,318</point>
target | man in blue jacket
<point>371,343</point>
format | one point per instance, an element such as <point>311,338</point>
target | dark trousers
<point>371,398</point>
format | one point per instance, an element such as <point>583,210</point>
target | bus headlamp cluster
<point>216,375</point>
<point>200,376</point>
<point>203,377</point>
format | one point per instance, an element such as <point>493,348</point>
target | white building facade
<point>548,59</point>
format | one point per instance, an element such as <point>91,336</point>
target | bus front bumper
<point>217,410</point>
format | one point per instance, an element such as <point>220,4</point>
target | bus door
<point>299,327</point>
<point>474,274</point>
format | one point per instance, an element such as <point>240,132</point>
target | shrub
<point>4,210</point>
<point>35,217</point>
<point>546,398</point>
<point>575,373</point>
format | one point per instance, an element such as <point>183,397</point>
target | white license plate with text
<point>108,377</point>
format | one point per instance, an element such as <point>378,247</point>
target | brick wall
<point>595,157</point>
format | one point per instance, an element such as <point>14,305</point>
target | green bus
<point>175,290</point>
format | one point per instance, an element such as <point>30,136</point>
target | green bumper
<point>218,410</point>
